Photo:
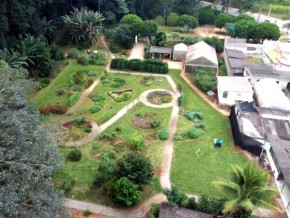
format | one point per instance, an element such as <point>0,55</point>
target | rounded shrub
<point>75,155</point>
<point>163,135</point>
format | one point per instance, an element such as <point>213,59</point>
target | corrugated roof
<point>234,84</point>
<point>159,49</point>
<point>201,49</point>
<point>168,211</point>
<point>234,53</point>
<point>237,63</point>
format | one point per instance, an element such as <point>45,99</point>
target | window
<point>225,94</point>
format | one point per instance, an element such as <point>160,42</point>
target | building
<point>235,62</point>
<point>159,52</point>
<point>200,56</point>
<point>233,88</point>
<point>168,211</point>
<point>263,128</point>
<point>179,52</point>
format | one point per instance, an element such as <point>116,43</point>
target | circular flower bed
<point>146,120</point>
<point>159,97</point>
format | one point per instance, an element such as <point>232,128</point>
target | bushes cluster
<point>73,98</point>
<point>155,123</point>
<point>181,99</point>
<point>95,109</point>
<point>191,115</point>
<point>75,155</point>
<point>163,135</point>
<point>137,142</point>
<point>85,59</point>
<point>52,109</point>
<point>123,178</point>
<point>153,66</point>
<point>205,204</point>
<point>205,80</point>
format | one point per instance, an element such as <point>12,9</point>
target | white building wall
<point>234,96</point>
<point>282,84</point>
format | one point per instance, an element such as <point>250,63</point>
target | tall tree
<point>185,6</point>
<point>28,157</point>
<point>246,190</point>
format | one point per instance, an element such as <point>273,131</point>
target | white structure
<point>199,56</point>
<point>270,95</point>
<point>179,52</point>
<point>232,88</point>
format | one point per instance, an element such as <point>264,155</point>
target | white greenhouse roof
<point>180,47</point>
<point>234,84</point>
<point>270,95</point>
<point>201,49</point>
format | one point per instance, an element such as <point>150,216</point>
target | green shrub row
<point>74,98</point>
<point>152,66</point>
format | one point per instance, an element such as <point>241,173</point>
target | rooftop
<point>180,47</point>
<point>234,84</point>
<point>159,49</point>
<point>168,211</point>
<point>237,63</point>
<point>234,53</point>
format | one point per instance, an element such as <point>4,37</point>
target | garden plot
<point>115,92</point>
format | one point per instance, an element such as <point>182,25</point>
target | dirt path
<point>137,51</point>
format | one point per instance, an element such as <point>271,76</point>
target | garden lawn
<point>110,107</point>
<point>83,172</point>
<point>48,96</point>
<point>196,163</point>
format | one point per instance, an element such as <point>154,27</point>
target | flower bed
<point>147,120</point>
<point>122,95</point>
<point>159,97</point>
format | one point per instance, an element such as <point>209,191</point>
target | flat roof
<point>161,50</point>
<point>234,84</point>
<point>264,71</point>
<point>237,63</point>
<point>234,53</point>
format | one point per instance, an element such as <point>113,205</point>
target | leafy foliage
<point>28,157</point>
<point>137,141</point>
<point>75,155</point>
<point>176,197</point>
<point>187,20</point>
<point>136,168</point>
<point>124,192</point>
<point>222,19</point>
<point>172,19</point>
<point>206,16</point>
<point>205,80</point>
<point>163,135</point>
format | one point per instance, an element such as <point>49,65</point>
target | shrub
<point>191,115</point>
<point>79,121</point>
<point>53,109</point>
<point>73,99</point>
<point>154,210</point>
<point>89,82</point>
<point>172,19</point>
<point>75,155</point>
<point>176,197</point>
<point>163,135</point>
<point>88,129</point>
<point>83,59</point>
<point>87,213</point>
<point>137,142</point>
<point>60,91</point>
<point>136,168</point>
<point>96,146</point>
<point>91,73</point>
<point>98,98</point>
<point>67,185</point>
<point>57,53</point>
<point>205,80</point>
<point>206,16</point>
<point>194,133</point>
<point>215,42</point>
<point>210,205</point>
<point>159,19</point>
<point>74,53</point>
<point>95,109</point>
<point>181,99</point>
<point>200,125</point>
<point>155,123</point>
<point>187,20</point>
<point>44,83</point>
<point>124,192</point>
<point>118,129</point>
<point>114,47</point>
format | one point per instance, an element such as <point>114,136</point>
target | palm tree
<point>84,24</point>
<point>13,59</point>
<point>246,190</point>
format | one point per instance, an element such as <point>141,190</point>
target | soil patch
<point>145,120</point>
<point>159,97</point>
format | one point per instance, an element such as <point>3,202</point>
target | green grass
<point>110,107</point>
<point>83,172</point>
<point>253,60</point>
<point>191,172</point>
<point>47,95</point>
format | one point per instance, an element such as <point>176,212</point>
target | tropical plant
<point>83,24</point>
<point>13,58</point>
<point>246,190</point>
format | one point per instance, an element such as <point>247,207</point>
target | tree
<point>244,17</point>
<point>135,23</point>
<point>136,168</point>
<point>160,20</point>
<point>13,58</point>
<point>28,157</point>
<point>123,36</point>
<point>160,39</point>
<point>231,28</point>
<point>206,16</point>
<point>246,190</point>
<point>187,20</point>
<point>266,30</point>
<point>215,42</point>
<point>124,192</point>
<point>150,28</point>
<point>245,28</point>
<point>184,6</point>
<point>222,19</point>
<point>172,19</point>
<point>83,25</point>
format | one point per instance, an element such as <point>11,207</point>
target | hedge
<point>152,66</point>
